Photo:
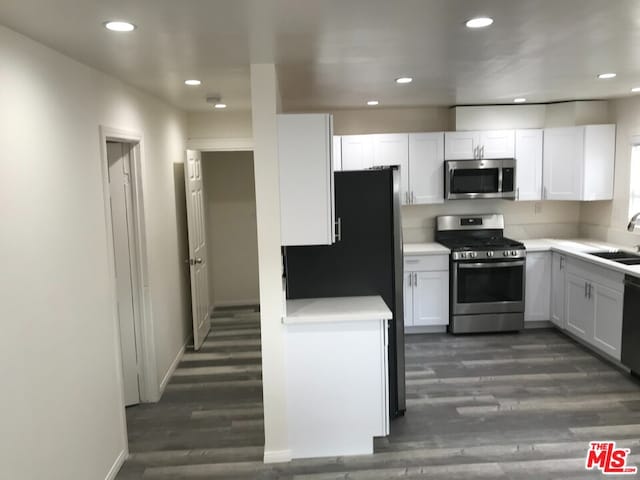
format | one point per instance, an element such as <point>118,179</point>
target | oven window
<point>475,180</point>
<point>490,284</point>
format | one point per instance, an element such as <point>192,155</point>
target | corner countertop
<point>336,309</point>
<point>432,248</point>
<point>580,248</point>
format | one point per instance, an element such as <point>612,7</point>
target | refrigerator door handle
<point>339,230</point>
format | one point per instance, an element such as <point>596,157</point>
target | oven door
<point>488,287</point>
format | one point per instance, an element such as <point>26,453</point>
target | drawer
<point>426,263</point>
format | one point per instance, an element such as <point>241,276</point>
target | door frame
<point>145,346</point>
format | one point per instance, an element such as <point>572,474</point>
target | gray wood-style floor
<point>506,407</point>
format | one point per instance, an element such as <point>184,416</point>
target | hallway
<point>211,411</point>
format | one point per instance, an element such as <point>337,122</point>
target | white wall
<point>231,227</point>
<point>61,403</point>
<point>219,124</point>
<point>265,103</point>
<point>608,220</point>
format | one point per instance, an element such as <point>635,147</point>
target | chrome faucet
<point>632,223</point>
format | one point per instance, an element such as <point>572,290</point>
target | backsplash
<point>523,220</point>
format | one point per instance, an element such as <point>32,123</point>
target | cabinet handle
<point>415,279</point>
<point>413,198</point>
<point>482,152</point>
<point>585,289</point>
<point>590,286</point>
<point>339,230</point>
<point>544,193</point>
<point>561,263</point>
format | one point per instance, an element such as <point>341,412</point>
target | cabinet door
<point>537,287</point>
<point>579,310</point>
<point>558,280</point>
<point>563,163</point>
<point>408,299</point>
<point>460,145</point>
<point>528,164</point>
<point>497,144</point>
<point>357,152</point>
<point>426,167</point>
<point>393,149</point>
<point>337,153</point>
<point>306,179</point>
<point>599,160</point>
<point>431,299</point>
<point>607,303</point>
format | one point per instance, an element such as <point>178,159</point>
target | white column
<point>264,106</point>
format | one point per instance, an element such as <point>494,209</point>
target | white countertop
<point>336,309</point>
<point>432,248</point>
<point>580,248</point>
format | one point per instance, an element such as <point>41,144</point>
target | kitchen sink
<point>619,256</point>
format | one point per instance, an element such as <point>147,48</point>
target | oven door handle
<point>517,263</point>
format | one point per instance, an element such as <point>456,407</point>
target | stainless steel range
<point>487,274</point>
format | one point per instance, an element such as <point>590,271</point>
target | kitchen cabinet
<point>537,303</point>
<point>426,168</point>
<point>393,149</point>
<point>479,144</point>
<point>426,289</point>
<point>578,163</point>
<point>594,297</point>
<point>357,152</point>
<point>528,155</point>
<point>558,281</point>
<point>337,153</point>
<point>307,207</point>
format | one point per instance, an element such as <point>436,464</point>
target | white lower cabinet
<point>594,297</point>
<point>426,291</point>
<point>558,282</point>
<point>537,301</point>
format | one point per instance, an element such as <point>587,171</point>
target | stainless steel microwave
<point>481,178</point>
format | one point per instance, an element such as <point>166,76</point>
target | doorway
<point>125,261</point>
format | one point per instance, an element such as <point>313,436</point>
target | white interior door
<point>124,254</point>
<point>197,248</point>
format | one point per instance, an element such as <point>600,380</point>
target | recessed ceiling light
<point>519,100</point>
<point>604,76</point>
<point>373,103</point>
<point>119,26</point>
<point>193,83</point>
<point>479,22</point>
<point>220,105</point>
<point>404,80</point>
<point>635,89</point>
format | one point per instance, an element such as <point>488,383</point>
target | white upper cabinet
<point>357,152</point>
<point>461,145</point>
<point>479,144</point>
<point>528,164</point>
<point>337,153</point>
<point>426,168</point>
<point>393,149</point>
<point>305,146</point>
<point>497,144</point>
<point>579,162</point>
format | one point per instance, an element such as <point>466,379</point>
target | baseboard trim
<point>538,324</point>
<point>277,456</point>
<point>117,465</point>
<point>173,366</point>
<point>237,303</point>
<point>425,329</point>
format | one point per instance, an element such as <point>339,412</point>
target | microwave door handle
<point>500,180</point>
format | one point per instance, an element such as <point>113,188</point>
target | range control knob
<point>505,253</point>
<point>463,255</point>
<point>489,254</point>
<point>514,253</point>
<point>473,255</point>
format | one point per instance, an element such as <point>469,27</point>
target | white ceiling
<point>340,53</point>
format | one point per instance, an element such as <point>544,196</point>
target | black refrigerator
<point>365,260</point>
